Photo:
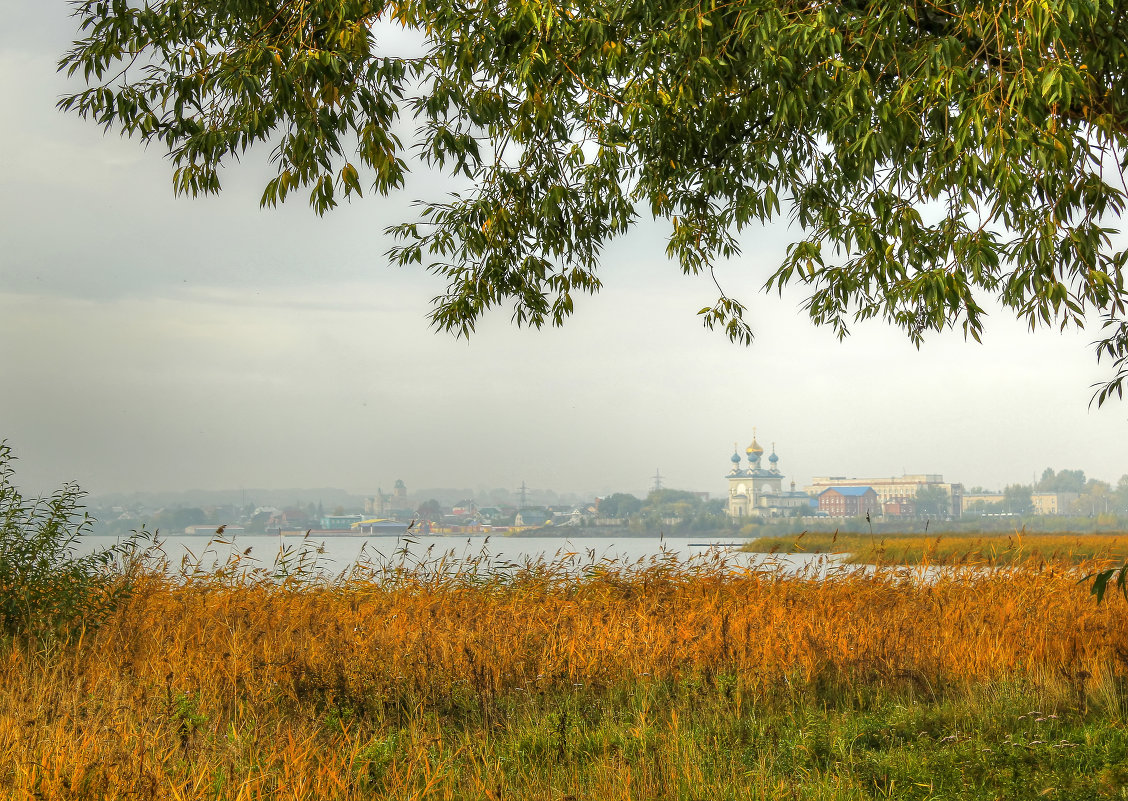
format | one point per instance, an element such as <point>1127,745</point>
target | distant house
<point>532,517</point>
<point>490,513</point>
<point>899,508</point>
<point>849,501</point>
<point>1053,503</point>
<point>467,507</point>
<point>579,516</point>
<point>979,502</point>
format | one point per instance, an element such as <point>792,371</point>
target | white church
<point>756,490</point>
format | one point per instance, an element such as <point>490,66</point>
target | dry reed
<point>250,688</point>
<point>951,548</point>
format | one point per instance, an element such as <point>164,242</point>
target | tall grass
<point>47,590</point>
<point>951,548</point>
<point>568,678</point>
<point>123,677</point>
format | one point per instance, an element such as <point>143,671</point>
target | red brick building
<point>900,508</point>
<point>849,501</point>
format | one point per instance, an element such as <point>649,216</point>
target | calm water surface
<point>336,554</point>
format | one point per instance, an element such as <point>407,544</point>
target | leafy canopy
<point>928,153</point>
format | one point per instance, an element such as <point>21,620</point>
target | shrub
<point>47,590</point>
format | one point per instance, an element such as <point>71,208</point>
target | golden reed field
<point>950,548</point>
<point>412,683</point>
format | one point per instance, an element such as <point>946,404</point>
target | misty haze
<point>563,400</point>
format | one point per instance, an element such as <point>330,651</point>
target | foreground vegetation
<point>563,680</point>
<point>124,678</point>
<point>950,548</point>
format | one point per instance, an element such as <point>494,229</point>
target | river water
<point>336,554</point>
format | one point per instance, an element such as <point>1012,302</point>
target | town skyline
<point>335,495</point>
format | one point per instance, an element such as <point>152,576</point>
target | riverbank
<point>950,548</point>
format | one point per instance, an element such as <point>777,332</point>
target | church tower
<point>749,486</point>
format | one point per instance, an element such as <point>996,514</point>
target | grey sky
<point>149,342</point>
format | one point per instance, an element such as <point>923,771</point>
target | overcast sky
<point>150,343</point>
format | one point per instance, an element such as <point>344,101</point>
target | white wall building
<point>756,491</point>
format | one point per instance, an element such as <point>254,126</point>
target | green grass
<point>727,737</point>
<point>716,740</point>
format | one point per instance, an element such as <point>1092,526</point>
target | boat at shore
<point>375,527</point>
<point>362,528</point>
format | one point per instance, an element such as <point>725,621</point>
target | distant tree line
<point>666,509</point>
<point>1094,497</point>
